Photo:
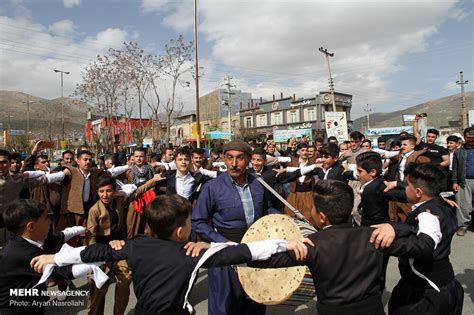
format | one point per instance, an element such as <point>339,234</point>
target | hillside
<point>440,112</point>
<point>44,114</point>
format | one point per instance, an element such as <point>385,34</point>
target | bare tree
<point>173,64</point>
<point>102,85</point>
<point>143,71</point>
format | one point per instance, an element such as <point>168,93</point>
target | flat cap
<point>238,145</point>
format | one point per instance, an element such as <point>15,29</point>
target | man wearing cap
<point>232,202</point>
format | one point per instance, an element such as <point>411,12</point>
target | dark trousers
<point>408,299</point>
<point>226,296</point>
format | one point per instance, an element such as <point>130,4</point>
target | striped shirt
<point>247,202</point>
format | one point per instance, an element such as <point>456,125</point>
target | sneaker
<point>461,231</point>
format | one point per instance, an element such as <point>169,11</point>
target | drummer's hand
<point>299,247</point>
<point>383,235</point>
<point>194,249</point>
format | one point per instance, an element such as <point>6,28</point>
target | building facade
<point>290,113</point>
<point>213,113</point>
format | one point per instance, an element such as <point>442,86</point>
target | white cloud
<point>62,28</point>
<point>272,46</point>
<point>71,3</point>
<point>155,6</point>
<point>31,51</point>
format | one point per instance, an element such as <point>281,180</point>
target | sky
<point>388,54</point>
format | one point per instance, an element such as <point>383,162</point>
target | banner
<point>336,125</point>
<point>388,130</point>
<point>284,135</point>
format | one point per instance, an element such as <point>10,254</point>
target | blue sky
<point>389,54</point>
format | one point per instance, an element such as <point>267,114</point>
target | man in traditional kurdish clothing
<point>232,201</point>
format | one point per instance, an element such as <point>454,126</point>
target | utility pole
<point>367,110</point>
<point>229,103</point>
<point>62,104</point>
<point>28,118</point>
<point>331,81</point>
<point>461,82</point>
<point>198,121</point>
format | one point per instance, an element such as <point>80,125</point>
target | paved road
<point>462,258</point>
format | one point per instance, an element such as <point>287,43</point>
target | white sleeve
<point>82,270</point>
<point>262,250</point>
<point>212,174</point>
<point>55,177</point>
<point>308,169</point>
<point>34,174</point>
<point>429,225</point>
<point>116,171</point>
<point>70,232</point>
<point>291,169</point>
<point>168,166</point>
<point>128,189</point>
<point>386,154</point>
<point>68,255</point>
<point>284,159</point>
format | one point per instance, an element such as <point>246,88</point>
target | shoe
<point>470,227</point>
<point>63,297</point>
<point>461,231</point>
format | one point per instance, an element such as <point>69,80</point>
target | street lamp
<point>62,103</point>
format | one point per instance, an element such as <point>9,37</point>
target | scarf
<point>138,174</point>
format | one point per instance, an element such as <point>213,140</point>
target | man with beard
<point>225,209</point>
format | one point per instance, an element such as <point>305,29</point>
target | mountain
<point>440,113</point>
<point>44,114</point>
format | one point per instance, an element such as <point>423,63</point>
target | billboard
<point>284,135</point>
<point>336,125</point>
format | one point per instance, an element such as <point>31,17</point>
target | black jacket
<point>373,206</point>
<point>16,273</point>
<point>170,183</point>
<point>346,268</point>
<point>161,270</point>
<point>436,267</point>
<point>336,172</point>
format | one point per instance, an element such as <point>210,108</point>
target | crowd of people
<point>152,215</point>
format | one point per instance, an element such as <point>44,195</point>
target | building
<point>182,130</point>
<point>213,112</point>
<point>290,113</point>
<point>124,131</point>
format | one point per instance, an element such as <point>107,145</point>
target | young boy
<point>346,269</point>
<point>331,168</point>
<point>29,224</point>
<point>161,268</point>
<point>414,293</point>
<point>181,180</point>
<point>105,223</point>
<point>374,201</point>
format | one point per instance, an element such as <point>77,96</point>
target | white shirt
<point>86,189</point>
<point>365,185</point>
<point>451,155</point>
<point>403,163</point>
<point>416,205</point>
<point>184,185</point>
<point>302,164</point>
<point>37,244</point>
<point>326,172</point>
